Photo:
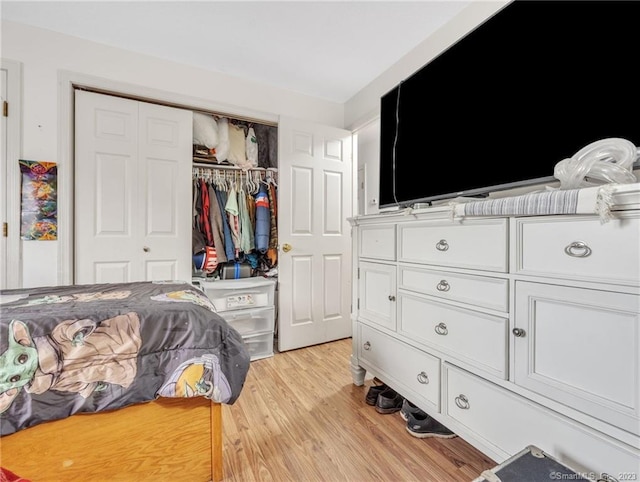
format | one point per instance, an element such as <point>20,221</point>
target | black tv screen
<point>529,87</point>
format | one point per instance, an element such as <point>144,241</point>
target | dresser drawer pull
<point>578,249</point>
<point>441,329</point>
<point>423,378</point>
<point>519,332</point>
<point>462,402</point>
<point>442,245</point>
<point>392,298</point>
<point>367,346</point>
<point>443,286</point>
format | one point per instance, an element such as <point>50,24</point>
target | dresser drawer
<point>473,244</point>
<point>377,242</point>
<point>507,422</point>
<point>483,291</point>
<point>579,247</point>
<point>471,336</point>
<point>414,371</point>
<point>580,347</point>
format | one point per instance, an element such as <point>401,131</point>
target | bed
<point>115,382</point>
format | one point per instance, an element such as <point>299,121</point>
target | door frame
<point>67,83</point>
<point>13,262</point>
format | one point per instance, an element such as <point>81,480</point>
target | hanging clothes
<point>233,212</point>
<point>217,229</point>
<point>263,219</point>
<point>273,216</point>
<point>272,252</point>
<point>228,240</point>
<point>247,239</point>
<point>204,215</point>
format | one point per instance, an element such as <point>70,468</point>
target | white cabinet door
<point>377,294</point>
<point>132,190</point>
<point>314,236</point>
<point>580,347</point>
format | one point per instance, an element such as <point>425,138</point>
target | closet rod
<point>232,168</point>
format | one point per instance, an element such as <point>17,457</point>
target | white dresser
<point>511,331</point>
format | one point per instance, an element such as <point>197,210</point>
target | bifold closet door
<point>132,194</point>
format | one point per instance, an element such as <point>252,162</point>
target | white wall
<point>365,105</point>
<point>368,140</point>
<point>44,55</point>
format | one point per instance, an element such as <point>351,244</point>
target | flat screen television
<point>529,87</point>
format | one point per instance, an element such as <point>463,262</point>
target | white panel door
<point>132,182</point>
<point>314,202</point>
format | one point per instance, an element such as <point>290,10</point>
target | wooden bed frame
<point>166,439</point>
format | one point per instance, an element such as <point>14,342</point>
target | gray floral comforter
<point>87,348</point>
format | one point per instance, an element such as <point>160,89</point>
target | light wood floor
<point>300,418</point>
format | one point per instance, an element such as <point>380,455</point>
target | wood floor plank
<point>300,418</point>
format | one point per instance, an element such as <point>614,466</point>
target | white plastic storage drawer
<point>252,321</point>
<point>240,294</point>
<point>259,346</point>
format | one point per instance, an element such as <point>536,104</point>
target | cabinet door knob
<point>519,332</point>
<point>443,285</point>
<point>423,378</point>
<point>367,346</point>
<point>462,402</point>
<point>441,329</point>
<point>578,249</point>
<point>392,298</point>
<point>146,249</point>
<point>442,245</point>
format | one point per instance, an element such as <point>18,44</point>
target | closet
<point>133,204</point>
<point>234,216</point>
<point>234,224</point>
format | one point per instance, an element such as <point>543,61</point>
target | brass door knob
<point>286,247</point>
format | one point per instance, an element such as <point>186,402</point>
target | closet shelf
<point>211,165</point>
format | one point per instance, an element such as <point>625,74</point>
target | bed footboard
<point>166,439</point>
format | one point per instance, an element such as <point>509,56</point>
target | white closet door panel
<point>132,190</point>
<point>106,197</point>
<point>112,271</point>
<point>165,167</point>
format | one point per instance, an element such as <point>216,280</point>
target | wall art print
<point>39,200</point>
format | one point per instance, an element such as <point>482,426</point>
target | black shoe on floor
<point>407,409</point>
<point>421,425</point>
<point>389,401</point>
<point>374,391</point>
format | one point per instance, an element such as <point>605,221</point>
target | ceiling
<point>325,49</point>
